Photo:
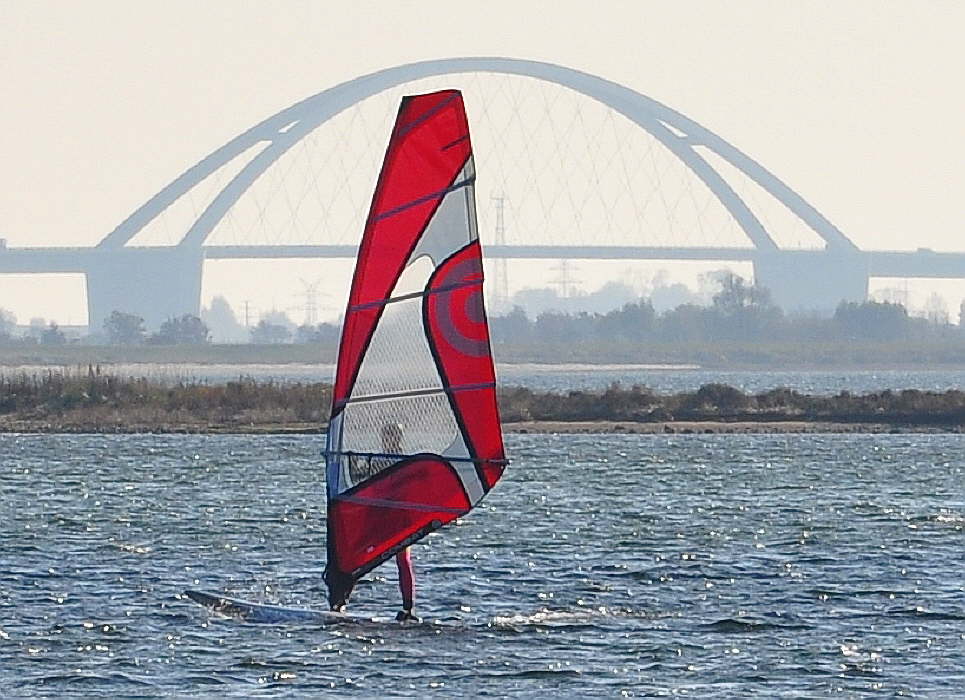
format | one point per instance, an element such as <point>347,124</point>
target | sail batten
<point>399,457</point>
<point>385,503</point>
<point>426,198</point>
<point>414,295</point>
<point>414,439</point>
<point>415,392</point>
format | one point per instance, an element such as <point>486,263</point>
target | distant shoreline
<point>322,371</point>
<point>838,355</point>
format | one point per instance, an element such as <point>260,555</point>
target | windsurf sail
<point>414,439</point>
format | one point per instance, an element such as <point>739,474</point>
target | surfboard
<point>265,614</point>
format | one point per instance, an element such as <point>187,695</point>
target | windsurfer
<point>392,446</point>
<point>420,358</point>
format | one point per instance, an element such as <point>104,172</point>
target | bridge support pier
<point>813,280</point>
<point>155,283</point>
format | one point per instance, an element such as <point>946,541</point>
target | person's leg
<point>406,579</point>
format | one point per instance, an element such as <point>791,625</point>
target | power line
<point>565,279</point>
<point>500,272</point>
<point>310,291</point>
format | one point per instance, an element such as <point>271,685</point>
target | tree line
<point>738,312</point>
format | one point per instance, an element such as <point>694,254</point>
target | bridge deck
<point>908,264</point>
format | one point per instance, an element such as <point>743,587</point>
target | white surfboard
<point>261,613</point>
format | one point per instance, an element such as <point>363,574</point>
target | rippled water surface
<point>723,566</point>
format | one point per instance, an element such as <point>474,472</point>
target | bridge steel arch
<point>815,271</point>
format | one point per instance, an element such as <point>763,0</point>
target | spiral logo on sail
<point>459,314</point>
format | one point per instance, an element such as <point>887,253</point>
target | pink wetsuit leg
<point>406,578</point>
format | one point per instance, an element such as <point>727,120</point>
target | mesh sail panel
<point>424,424</point>
<point>398,358</point>
<point>382,415</point>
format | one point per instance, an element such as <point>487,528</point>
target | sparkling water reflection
<point>645,565</point>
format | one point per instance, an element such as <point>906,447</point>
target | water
<point>544,377</point>
<point>723,566</point>
<point>673,380</point>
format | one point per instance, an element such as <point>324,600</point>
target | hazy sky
<point>859,106</point>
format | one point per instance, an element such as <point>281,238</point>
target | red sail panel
<point>457,327</point>
<point>385,514</point>
<point>427,151</point>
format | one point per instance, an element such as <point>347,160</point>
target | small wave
<point>566,618</point>
<point>212,679</point>
<point>922,613</point>
<point>92,679</point>
<point>730,625</point>
<point>950,519</point>
<point>535,673</point>
<point>133,548</point>
<point>828,594</point>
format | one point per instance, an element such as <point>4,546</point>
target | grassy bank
<point>59,401</point>
<point>722,403</point>
<point>94,402</point>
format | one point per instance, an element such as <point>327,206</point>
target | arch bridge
<point>158,282</point>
